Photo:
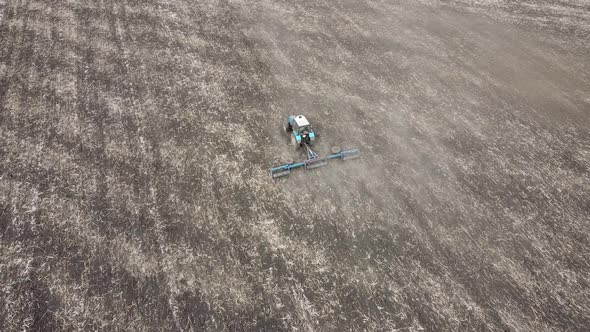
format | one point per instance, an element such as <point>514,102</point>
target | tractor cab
<point>301,124</point>
<point>300,130</point>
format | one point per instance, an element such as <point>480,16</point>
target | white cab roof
<point>301,121</point>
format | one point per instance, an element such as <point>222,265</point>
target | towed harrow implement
<point>302,135</point>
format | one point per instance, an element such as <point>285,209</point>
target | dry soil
<point>135,138</point>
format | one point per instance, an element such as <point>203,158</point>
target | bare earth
<point>135,138</point>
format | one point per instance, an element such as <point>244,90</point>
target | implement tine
<point>350,154</point>
<point>279,173</point>
<point>284,170</point>
<point>316,162</point>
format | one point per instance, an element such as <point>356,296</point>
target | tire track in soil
<point>7,55</point>
<point>19,64</point>
<point>90,108</point>
<point>119,23</point>
<point>2,7</point>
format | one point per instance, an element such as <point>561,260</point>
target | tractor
<point>303,136</point>
<point>300,131</point>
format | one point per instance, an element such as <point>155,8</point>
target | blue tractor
<point>303,136</point>
<point>300,130</point>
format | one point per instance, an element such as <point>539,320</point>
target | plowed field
<point>135,138</point>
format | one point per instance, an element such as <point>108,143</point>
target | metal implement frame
<point>313,161</point>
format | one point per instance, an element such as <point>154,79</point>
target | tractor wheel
<point>287,127</point>
<point>336,150</point>
<point>294,142</point>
